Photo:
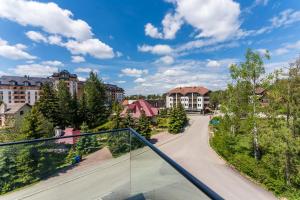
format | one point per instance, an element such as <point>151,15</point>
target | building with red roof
<point>194,98</point>
<point>136,109</point>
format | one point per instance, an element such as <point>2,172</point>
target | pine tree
<point>144,126</point>
<point>95,95</point>
<point>64,104</point>
<point>35,125</point>
<point>48,104</point>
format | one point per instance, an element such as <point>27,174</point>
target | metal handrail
<point>196,182</point>
<point>61,137</point>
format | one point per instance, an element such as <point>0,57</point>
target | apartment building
<point>114,93</point>
<point>18,89</point>
<point>191,98</point>
<point>26,89</point>
<point>70,79</point>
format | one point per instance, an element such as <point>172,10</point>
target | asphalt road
<point>192,151</point>
<point>144,172</point>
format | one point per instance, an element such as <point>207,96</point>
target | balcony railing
<point>82,167</point>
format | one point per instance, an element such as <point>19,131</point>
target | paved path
<point>193,152</point>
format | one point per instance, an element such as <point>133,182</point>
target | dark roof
<point>186,90</point>
<point>64,74</point>
<point>113,87</point>
<point>5,80</point>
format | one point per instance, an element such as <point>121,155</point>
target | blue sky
<point>145,46</point>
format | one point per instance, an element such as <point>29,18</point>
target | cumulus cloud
<point>34,70</point>
<point>159,49</point>
<point>183,73</point>
<point>78,59</point>
<point>213,63</point>
<point>168,60</point>
<point>85,70</point>
<point>171,24</point>
<point>36,36</point>
<point>139,80</point>
<point>152,31</point>
<point>57,23</point>
<point>14,52</point>
<point>217,19</point>
<point>93,47</point>
<point>287,48</point>
<point>53,63</point>
<point>48,16</point>
<point>120,82</point>
<point>134,72</point>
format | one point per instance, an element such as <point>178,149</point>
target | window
<point>12,82</point>
<point>21,112</point>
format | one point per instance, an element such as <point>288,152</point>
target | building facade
<point>9,114</point>
<point>114,93</point>
<point>25,89</point>
<point>191,98</point>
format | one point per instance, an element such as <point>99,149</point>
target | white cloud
<point>93,47</point>
<point>57,23</point>
<point>218,19</point>
<point>81,78</point>
<point>121,81</point>
<point>168,60</point>
<point>14,52</point>
<point>34,70</point>
<point>183,73</point>
<point>53,63</point>
<point>159,49</point>
<point>55,39</point>
<point>78,59</point>
<point>171,24</point>
<point>287,48</point>
<point>213,63</point>
<point>152,31</point>
<point>286,17</point>
<point>36,36</point>
<point>119,54</point>
<point>85,70</point>
<point>139,80</point>
<point>134,72</point>
<point>48,16</point>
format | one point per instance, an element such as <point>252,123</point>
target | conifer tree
<point>35,125</point>
<point>64,104</point>
<point>48,104</point>
<point>95,97</point>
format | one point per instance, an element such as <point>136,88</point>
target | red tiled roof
<point>185,90</point>
<point>138,107</point>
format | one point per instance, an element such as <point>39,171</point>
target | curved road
<point>192,151</point>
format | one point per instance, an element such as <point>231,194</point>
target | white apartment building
<point>191,98</point>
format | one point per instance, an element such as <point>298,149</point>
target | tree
<point>95,97</point>
<point>144,126</point>
<point>249,74</point>
<point>64,104</point>
<point>8,168</point>
<point>178,119</point>
<point>35,125</point>
<point>48,104</point>
<point>215,98</point>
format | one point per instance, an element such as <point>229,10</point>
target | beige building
<point>191,98</point>
<point>9,114</point>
